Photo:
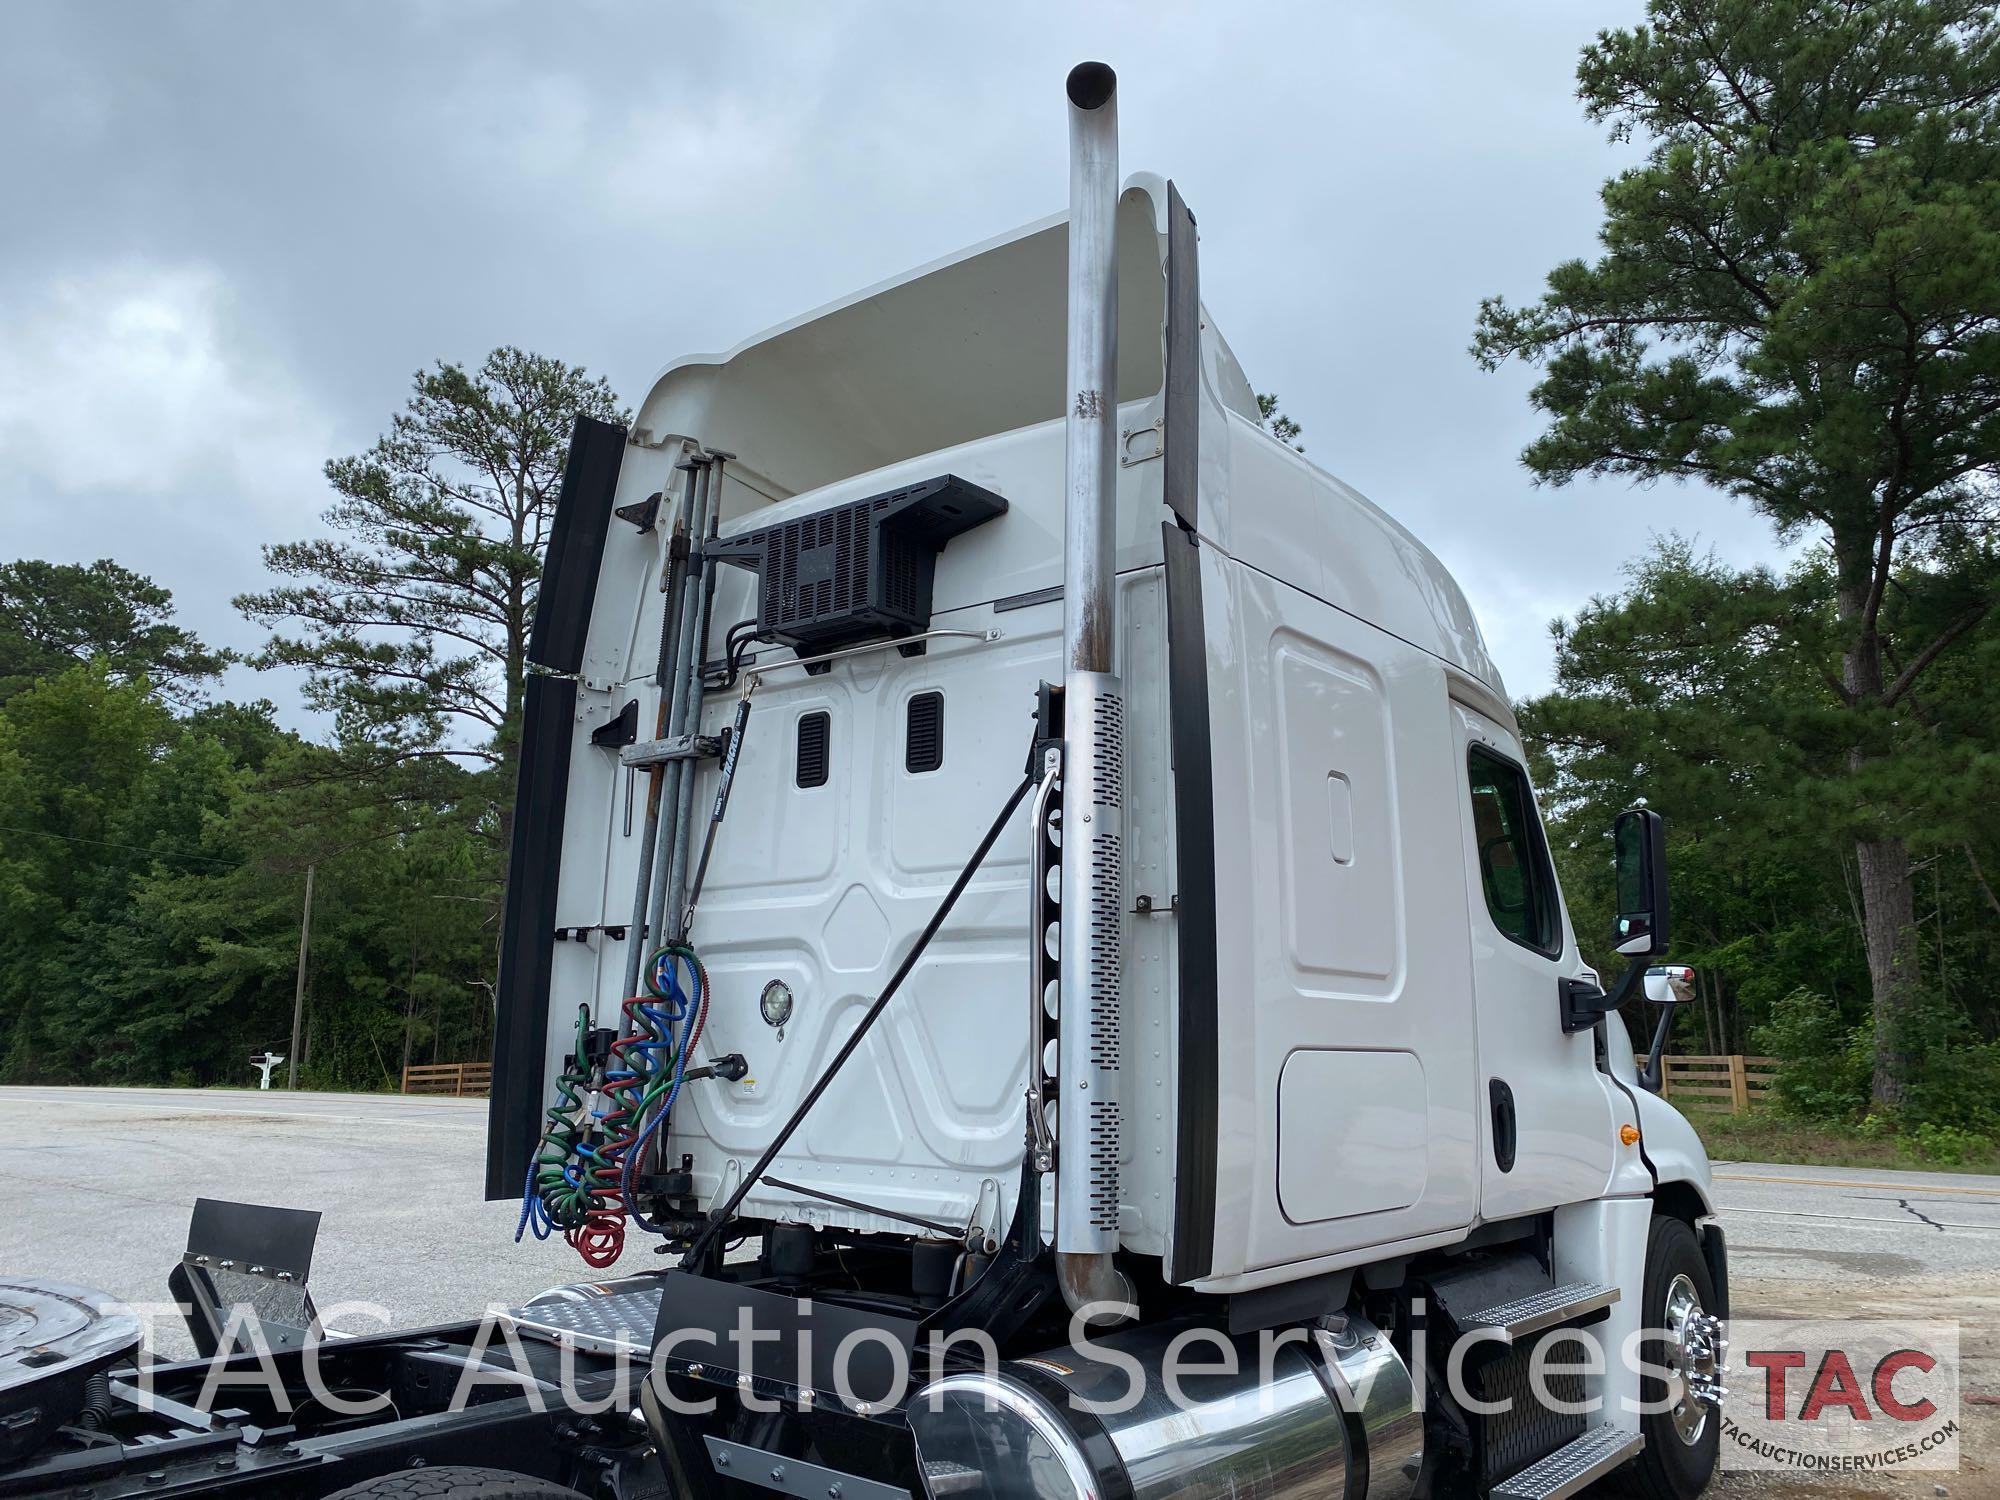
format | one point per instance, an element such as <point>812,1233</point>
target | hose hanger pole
<point>672,835</point>
<point>677,713</point>
<point>680,911</point>
<point>670,615</point>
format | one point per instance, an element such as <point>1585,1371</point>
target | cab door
<point>1547,1122</point>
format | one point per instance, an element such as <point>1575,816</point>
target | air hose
<point>555,1198</point>
<point>581,1181</point>
<point>663,978</point>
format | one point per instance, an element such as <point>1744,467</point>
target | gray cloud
<point>234,230</point>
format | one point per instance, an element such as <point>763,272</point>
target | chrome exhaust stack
<point>1090,430</point>
<point>1088,1126</point>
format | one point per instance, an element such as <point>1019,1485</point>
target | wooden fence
<point>1735,1082</point>
<point>462,1080</point>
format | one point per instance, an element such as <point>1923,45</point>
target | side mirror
<point>1669,985</point>
<point>1639,858</point>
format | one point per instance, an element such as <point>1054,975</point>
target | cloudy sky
<point>232,231</point>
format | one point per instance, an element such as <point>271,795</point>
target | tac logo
<point>1838,1397</point>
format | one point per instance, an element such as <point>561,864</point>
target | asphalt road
<point>98,1184</point>
<point>1809,1224</point>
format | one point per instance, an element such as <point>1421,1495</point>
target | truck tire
<point>451,1482</point>
<point>1682,1443</point>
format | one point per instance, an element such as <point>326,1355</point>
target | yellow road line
<point>1923,1191</point>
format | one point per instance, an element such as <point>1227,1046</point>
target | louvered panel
<point>815,749</point>
<point>923,742</point>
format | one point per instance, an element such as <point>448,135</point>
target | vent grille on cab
<point>923,739</point>
<point>815,748</point>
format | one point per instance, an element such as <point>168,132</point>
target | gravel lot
<point>100,1181</point>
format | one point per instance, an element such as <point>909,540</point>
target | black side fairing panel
<point>1187,695</point>
<point>576,545</point>
<point>548,712</point>
<point>527,934</point>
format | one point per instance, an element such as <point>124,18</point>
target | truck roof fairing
<point>971,346</point>
<point>960,349</point>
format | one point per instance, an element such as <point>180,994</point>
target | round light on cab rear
<point>1629,1134</point>
<point>775,1003</point>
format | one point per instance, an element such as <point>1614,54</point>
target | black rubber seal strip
<point>1715,1250</point>
<point>576,545</point>
<point>1194,886</point>
<point>1182,440</point>
<point>527,933</point>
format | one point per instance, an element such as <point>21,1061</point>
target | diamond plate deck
<point>1570,1468</point>
<point>620,1322</point>
<point>1545,1309</point>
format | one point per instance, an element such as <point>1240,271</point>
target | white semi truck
<point>1027,896</point>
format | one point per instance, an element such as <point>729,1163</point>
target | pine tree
<point>412,620</point>
<point>1794,303</point>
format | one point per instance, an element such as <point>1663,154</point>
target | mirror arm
<point>1584,1004</point>
<point>1649,1076</point>
<point>1628,982</point>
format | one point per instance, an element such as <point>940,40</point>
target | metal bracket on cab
<point>679,747</point>
<point>1152,438</point>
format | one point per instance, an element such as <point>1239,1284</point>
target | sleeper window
<point>1514,870</point>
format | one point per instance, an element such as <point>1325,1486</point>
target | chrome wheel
<point>1696,1350</point>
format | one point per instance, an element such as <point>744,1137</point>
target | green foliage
<point>1794,304</point>
<point>162,944</point>
<point>1952,1107</point>
<point>1824,1064</point>
<point>1700,689</point>
<point>1955,1074</point>
<point>1767,1135</point>
<point>151,874</point>
<point>154,849</point>
<point>1793,300</point>
<point>1948,1146</point>
<point>1280,426</point>
<point>55,615</point>
<point>1689,692</point>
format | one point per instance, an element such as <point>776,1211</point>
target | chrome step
<point>1572,1466</point>
<point>943,1477</point>
<point>1560,1304</point>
